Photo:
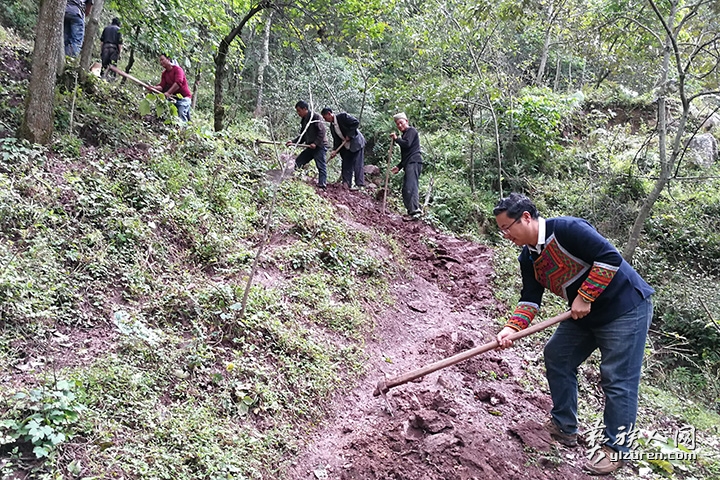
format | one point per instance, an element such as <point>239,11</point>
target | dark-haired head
<point>116,21</point>
<point>326,110</point>
<point>514,205</point>
<point>302,105</point>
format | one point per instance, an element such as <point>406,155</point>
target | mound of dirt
<point>480,419</point>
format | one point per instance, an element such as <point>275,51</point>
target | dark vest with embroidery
<point>577,260</point>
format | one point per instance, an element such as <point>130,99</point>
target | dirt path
<point>481,419</point>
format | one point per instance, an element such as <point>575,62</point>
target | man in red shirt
<point>174,84</point>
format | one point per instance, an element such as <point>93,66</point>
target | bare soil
<point>480,419</point>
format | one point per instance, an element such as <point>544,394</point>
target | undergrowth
<point>151,247</point>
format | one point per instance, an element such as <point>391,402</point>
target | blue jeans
<point>183,108</point>
<point>74,32</point>
<point>622,345</point>
<point>317,154</point>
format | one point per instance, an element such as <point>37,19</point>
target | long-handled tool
<point>335,152</point>
<point>387,175</point>
<point>258,142</point>
<point>130,77</point>
<point>385,385</point>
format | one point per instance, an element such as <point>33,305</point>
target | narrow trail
<point>480,419</point>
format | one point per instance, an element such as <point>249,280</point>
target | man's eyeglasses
<point>506,230</point>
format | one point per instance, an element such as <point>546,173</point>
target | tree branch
<point>713,322</point>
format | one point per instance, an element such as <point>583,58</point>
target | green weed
<point>43,417</point>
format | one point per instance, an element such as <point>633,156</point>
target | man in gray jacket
<point>351,144</point>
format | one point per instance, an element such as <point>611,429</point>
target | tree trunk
<point>131,57</point>
<point>264,62</point>
<point>204,35</point>
<point>37,124</point>
<point>543,58</point>
<point>545,47</point>
<point>666,164</point>
<point>497,144</point>
<point>59,57</point>
<point>471,127</point>
<point>221,59</point>
<point>91,30</point>
<point>365,75</point>
<point>196,84</point>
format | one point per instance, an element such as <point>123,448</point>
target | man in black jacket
<point>350,142</point>
<point>411,162</point>
<point>112,42</point>
<point>312,133</point>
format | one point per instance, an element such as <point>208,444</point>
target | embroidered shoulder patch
<point>556,269</point>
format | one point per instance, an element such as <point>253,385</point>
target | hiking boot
<point>601,463</point>
<point>567,439</point>
<point>355,188</point>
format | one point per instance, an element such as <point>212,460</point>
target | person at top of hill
<point>74,25</point>
<point>174,85</point>
<point>611,311</point>
<point>112,43</point>
<point>312,133</point>
<point>411,162</point>
<point>344,130</point>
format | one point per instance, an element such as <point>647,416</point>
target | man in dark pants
<point>611,309</point>
<point>344,130</point>
<point>173,84</point>
<point>312,133</point>
<point>112,42</point>
<point>411,162</point>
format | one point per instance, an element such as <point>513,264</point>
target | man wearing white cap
<point>411,162</point>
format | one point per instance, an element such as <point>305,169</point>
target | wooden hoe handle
<point>385,385</point>
<point>269,142</point>
<point>387,174</point>
<point>131,78</point>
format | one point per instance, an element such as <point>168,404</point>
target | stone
<point>703,150</point>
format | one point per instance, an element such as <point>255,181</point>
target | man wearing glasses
<point>611,309</point>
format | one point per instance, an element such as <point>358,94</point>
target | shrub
<point>43,417</point>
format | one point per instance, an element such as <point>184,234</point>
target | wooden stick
<point>270,142</point>
<point>384,385</point>
<point>335,152</point>
<point>130,77</point>
<point>387,174</point>
<point>427,196</point>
